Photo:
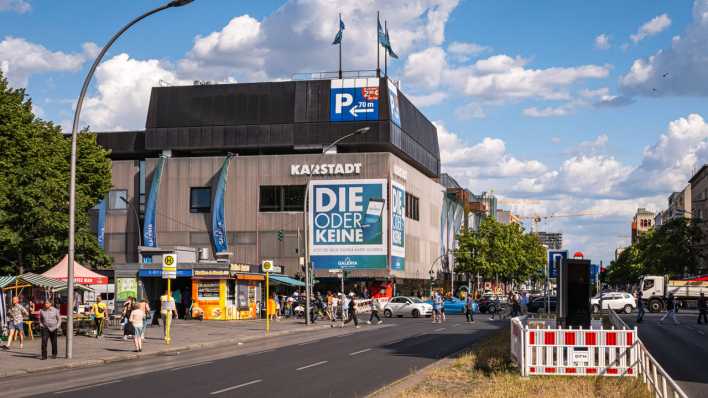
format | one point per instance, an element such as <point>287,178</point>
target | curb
<point>171,350</point>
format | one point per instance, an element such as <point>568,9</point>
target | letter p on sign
<point>342,100</point>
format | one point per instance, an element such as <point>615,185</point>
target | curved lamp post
<point>72,172</point>
<point>308,285</point>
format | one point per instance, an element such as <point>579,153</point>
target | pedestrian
<point>640,307</point>
<point>375,306</point>
<point>167,309</point>
<point>17,314</point>
<point>125,318</point>
<point>136,320</point>
<point>351,311</point>
<point>702,308</point>
<point>271,308</point>
<point>670,310</point>
<point>524,303</point>
<point>336,303</point>
<point>469,308</point>
<point>441,308</point>
<point>49,321</point>
<point>330,302</point>
<point>98,310</point>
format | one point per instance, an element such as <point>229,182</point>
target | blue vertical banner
<point>101,224</point>
<point>398,226</point>
<point>394,109</point>
<point>218,223</point>
<point>347,224</point>
<point>443,224</point>
<point>149,225</point>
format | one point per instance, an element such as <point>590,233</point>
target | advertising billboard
<point>393,103</point>
<point>398,226</point>
<point>347,224</point>
<point>352,100</point>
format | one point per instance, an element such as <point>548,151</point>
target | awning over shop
<point>5,280</point>
<point>34,280</point>
<point>82,274</point>
<point>286,280</point>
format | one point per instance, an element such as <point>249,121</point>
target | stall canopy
<point>286,280</point>
<point>34,280</point>
<point>82,274</point>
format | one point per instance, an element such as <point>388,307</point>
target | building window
<point>275,198</point>
<point>200,200</point>
<point>412,207</point>
<point>117,199</point>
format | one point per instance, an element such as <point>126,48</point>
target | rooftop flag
<point>388,45</point>
<point>338,37</point>
<point>383,40</point>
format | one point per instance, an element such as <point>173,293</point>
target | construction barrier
<point>574,352</point>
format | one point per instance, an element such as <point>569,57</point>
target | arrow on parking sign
<point>355,110</point>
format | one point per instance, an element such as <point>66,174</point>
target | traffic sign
<point>169,266</point>
<point>267,265</point>
<point>354,99</point>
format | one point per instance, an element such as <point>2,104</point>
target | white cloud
<point>651,28</point>
<point>602,42</point>
<point>297,38</point>
<point>433,98</point>
<point>469,111</point>
<point>679,70</point>
<point>19,59</point>
<point>555,140</point>
<point>546,112</point>
<point>123,86</point>
<point>19,6</point>
<point>499,77</point>
<point>463,52</point>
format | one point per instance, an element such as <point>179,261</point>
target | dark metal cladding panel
<point>300,106</point>
<point>416,125</point>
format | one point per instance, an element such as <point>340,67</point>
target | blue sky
<point>529,100</point>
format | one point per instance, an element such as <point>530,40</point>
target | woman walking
<point>137,317</point>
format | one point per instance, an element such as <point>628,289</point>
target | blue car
<point>452,305</point>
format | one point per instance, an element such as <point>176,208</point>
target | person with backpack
<point>98,310</point>
<point>469,308</point>
<point>670,310</point>
<point>375,306</point>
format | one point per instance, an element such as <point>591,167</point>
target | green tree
<point>626,269</point>
<point>671,249</point>
<point>34,181</point>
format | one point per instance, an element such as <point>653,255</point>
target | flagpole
<point>386,52</point>
<point>378,53</point>
<point>340,49</point>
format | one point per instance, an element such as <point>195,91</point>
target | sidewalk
<point>186,335</point>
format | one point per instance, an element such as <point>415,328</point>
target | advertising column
<point>347,227</point>
<point>398,226</point>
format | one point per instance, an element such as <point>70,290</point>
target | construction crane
<point>536,219</point>
<point>521,202</point>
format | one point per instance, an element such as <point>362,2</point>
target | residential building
<point>507,217</point>
<point>554,240</point>
<point>642,222</point>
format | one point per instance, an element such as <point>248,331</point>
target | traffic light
<point>281,235</point>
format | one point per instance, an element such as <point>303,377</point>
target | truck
<point>656,289</point>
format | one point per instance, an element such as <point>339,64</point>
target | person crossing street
<point>702,309</point>
<point>640,307</point>
<point>375,306</point>
<point>469,308</point>
<point>670,310</point>
<point>351,305</point>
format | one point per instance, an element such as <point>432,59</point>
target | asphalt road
<point>334,363</point>
<point>681,350</point>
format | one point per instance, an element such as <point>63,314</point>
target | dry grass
<point>487,371</point>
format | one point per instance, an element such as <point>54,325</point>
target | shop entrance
<point>153,288</point>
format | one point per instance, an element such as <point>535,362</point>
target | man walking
<point>99,313</point>
<point>702,309</point>
<point>375,304</point>
<point>640,307</point>
<point>469,308</point>
<point>670,310</point>
<point>17,318</point>
<point>351,311</point>
<point>167,309</point>
<point>49,321</point>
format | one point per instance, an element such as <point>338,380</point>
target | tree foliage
<point>34,184</point>
<point>502,250</point>
<point>670,249</point>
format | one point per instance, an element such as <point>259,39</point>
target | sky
<point>559,107</point>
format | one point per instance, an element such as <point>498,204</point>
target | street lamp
<point>72,167</point>
<point>308,285</point>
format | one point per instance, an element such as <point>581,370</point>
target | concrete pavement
<point>343,363</point>
<point>186,335</point>
<point>681,350</point>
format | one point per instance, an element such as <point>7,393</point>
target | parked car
<point>618,301</point>
<point>538,304</point>
<point>489,304</point>
<point>451,305</point>
<point>407,306</point>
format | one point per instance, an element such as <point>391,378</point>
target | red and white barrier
<point>574,352</point>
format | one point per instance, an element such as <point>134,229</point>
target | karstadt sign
<point>325,169</point>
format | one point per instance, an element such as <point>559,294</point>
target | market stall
<point>82,274</point>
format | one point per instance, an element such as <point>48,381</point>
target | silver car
<point>407,306</point>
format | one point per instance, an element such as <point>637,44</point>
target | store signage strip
<point>325,169</point>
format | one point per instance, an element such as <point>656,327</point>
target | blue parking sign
<point>555,259</point>
<point>353,100</point>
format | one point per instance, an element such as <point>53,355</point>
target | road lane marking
<point>88,386</point>
<point>235,387</point>
<point>312,365</point>
<point>191,366</point>
<point>439,329</point>
<point>455,325</point>
<point>260,352</point>
<point>360,352</point>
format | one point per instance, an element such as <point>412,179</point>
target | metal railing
<point>659,383</point>
<point>346,74</point>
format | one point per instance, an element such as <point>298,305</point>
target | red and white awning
<point>82,275</point>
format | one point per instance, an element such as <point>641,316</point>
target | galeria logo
<point>347,262</point>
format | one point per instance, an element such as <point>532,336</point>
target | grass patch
<point>487,371</point>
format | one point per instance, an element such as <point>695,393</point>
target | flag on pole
<point>381,34</point>
<point>388,45</point>
<point>338,37</point>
